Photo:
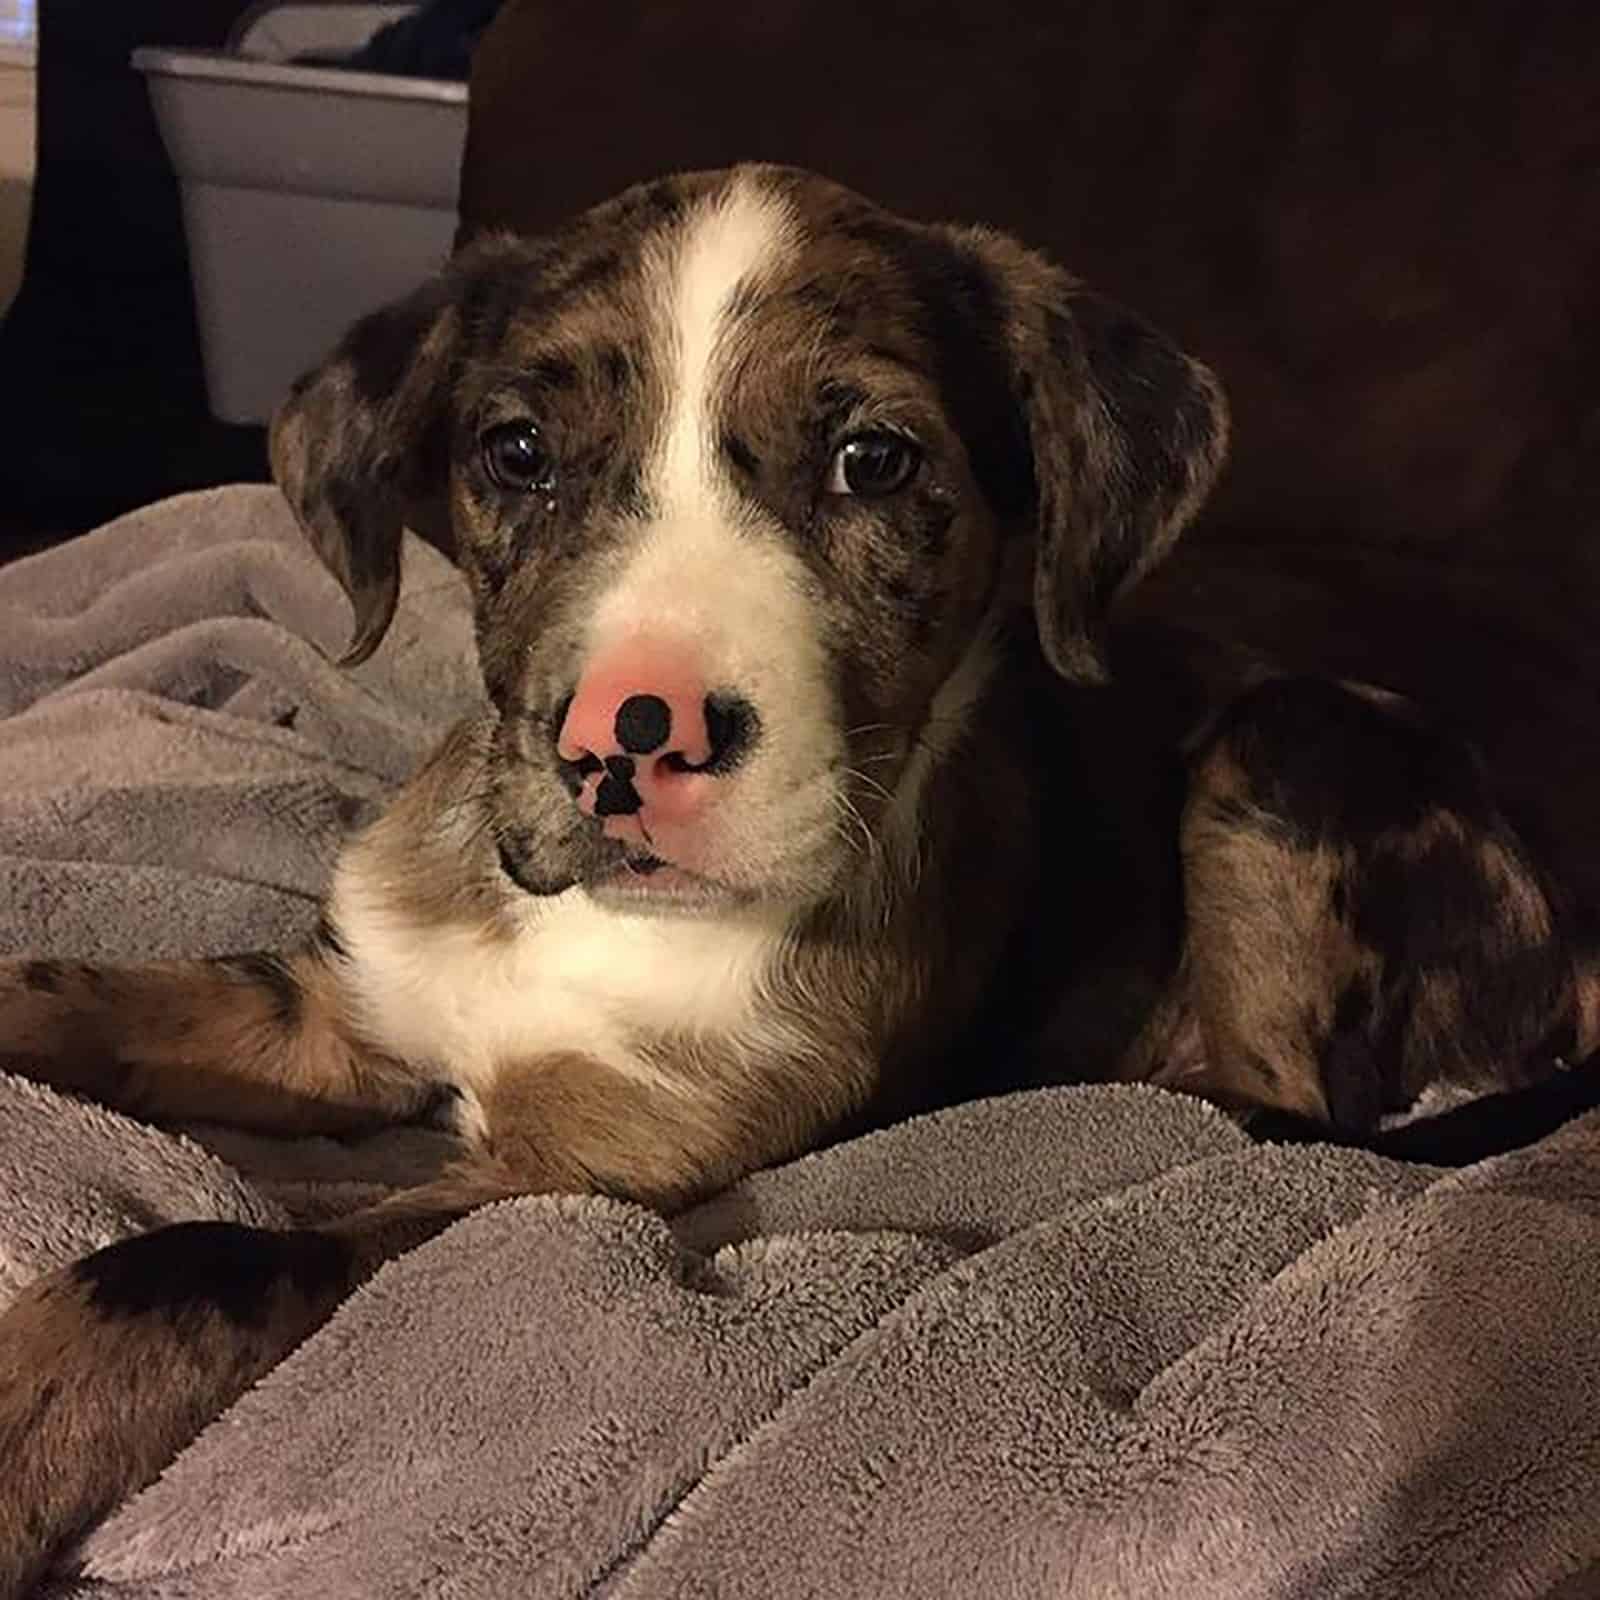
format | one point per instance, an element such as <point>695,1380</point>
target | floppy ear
<point>1127,436</point>
<point>359,444</point>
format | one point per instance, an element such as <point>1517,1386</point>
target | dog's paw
<point>53,1029</point>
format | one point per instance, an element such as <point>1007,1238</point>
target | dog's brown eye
<point>873,464</point>
<point>515,457</point>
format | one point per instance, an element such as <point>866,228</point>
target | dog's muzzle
<point>643,740</point>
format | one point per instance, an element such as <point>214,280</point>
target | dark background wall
<point>102,402</point>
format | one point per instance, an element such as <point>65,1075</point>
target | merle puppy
<point>798,798</point>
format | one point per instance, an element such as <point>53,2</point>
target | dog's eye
<point>515,457</point>
<point>873,464</point>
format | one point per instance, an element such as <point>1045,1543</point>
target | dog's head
<point>742,471</point>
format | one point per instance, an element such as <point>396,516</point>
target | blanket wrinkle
<point>759,1253</point>
<point>1097,1246</point>
<point>856,1184</point>
<point>1087,1342</point>
<point>757,1342</point>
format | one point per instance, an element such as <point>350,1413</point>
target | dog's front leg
<point>257,1041</point>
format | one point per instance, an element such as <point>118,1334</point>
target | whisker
<point>848,825</point>
<point>848,814</point>
<point>871,782</point>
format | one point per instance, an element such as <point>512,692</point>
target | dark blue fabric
<point>435,41</point>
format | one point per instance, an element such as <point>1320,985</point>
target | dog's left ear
<point>1127,436</point>
<point>358,441</point>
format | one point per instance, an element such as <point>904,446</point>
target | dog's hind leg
<point>110,1366</point>
<point>258,1041</point>
<point>1364,926</point>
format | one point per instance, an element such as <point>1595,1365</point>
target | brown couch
<point>1380,221</point>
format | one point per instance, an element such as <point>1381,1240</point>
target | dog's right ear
<point>361,439</point>
<point>1126,435</point>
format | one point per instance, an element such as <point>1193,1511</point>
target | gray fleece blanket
<point>1087,1342</point>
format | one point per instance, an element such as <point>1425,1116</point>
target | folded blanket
<point>1084,1342</point>
<point>181,752</point>
<point>181,755</point>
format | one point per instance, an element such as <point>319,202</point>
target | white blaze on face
<point>737,236</point>
<point>711,572</point>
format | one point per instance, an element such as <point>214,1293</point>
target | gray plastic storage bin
<point>310,194</point>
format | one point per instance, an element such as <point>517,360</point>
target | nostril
<point>574,774</point>
<point>644,723</point>
<point>731,728</point>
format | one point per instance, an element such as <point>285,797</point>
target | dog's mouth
<point>638,880</point>
<point>649,883</point>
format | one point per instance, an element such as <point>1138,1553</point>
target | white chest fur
<point>459,1001</point>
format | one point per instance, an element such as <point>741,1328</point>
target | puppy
<point>798,799</point>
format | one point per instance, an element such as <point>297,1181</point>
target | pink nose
<point>642,736</point>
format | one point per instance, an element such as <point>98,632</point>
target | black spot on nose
<point>644,723</point>
<point>616,795</point>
